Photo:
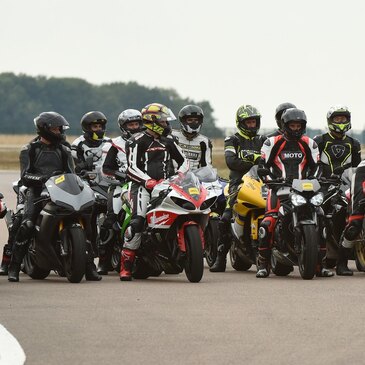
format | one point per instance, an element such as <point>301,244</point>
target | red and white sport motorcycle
<point>173,239</point>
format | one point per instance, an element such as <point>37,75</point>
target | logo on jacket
<point>338,150</point>
<point>291,155</point>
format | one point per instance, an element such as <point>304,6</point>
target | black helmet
<point>191,111</point>
<point>280,109</point>
<point>153,114</point>
<point>293,115</point>
<point>245,112</point>
<point>91,118</point>
<point>343,127</point>
<point>126,116</point>
<point>46,120</point>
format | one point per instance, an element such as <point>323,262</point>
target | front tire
<point>75,261</point>
<point>194,264</point>
<point>308,257</point>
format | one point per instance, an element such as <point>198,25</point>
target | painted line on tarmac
<point>10,350</point>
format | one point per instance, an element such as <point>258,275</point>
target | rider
<point>148,156</point>
<point>338,150</point>
<point>129,122</point>
<point>196,147</point>
<point>89,151</point>
<point>40,159</point>
<point>7,250</point>
<point>355,221</point>
<point>242,151</point>
<point>280,109</point>
<point>335,147</point>
<point>291,156</point>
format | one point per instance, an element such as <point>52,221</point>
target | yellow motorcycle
<point>248,212</point>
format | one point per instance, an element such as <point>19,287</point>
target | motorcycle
<point>248,212</point>
<point>299,226</point>
<point>173,239</point>
<point>60,239</point>
<point>212,182</point>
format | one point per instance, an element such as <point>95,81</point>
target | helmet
<point>92,118</point>
<point>293,115</point>
<point>153,114</point>
<point>46,120</point>
<point>245,112</point>
<point>126,116</point>
<point>341,127</point>
<point>191,111</point>
<point>280,109</point>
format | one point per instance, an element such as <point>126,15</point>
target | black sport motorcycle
<point>299,226</point>
<point>60,242</point>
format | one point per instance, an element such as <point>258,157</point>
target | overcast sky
<point>311,53</point>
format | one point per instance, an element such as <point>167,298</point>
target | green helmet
<point>339,127</point>
<point>244,113</point>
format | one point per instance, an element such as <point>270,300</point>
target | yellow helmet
<point>153,114</point>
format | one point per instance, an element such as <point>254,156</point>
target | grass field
<point>10,146</point>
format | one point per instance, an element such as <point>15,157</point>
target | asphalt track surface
<point>227,318</point>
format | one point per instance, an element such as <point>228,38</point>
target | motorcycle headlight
<point>208,203</point>
<point>317,199</point>
<point>298,200</point>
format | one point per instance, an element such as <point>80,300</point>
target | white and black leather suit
<point>198,149</point>
<point>148,158</point>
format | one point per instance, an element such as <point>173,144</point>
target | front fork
<point>63,234</point>
<point>181,235</point>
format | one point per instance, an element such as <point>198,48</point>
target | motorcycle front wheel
<point>308,257</point>
<point>194,264</point>
<point>75,261</point>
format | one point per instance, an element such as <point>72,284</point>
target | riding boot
<point>342,268</point>
<point>263,267</point>
<point>221,260</point>
<point>126,264</point>
<point>5,260</point>
<point>90,270</point>
<point>18,254</point>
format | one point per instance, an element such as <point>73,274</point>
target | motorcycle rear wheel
<point>359,251</point>
<point>279,269</point>
<point>308,257</point>
<point>31,268</point>
<point>194,264</point>
<point>236,261</point>
<point>211,235</point>
<point>75,261</point>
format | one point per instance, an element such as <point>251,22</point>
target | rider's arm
<point>135,151</point>
<point>178,155</point>
<point>27,176</point>
<point>356,153</point>
<point>206,153</point>
<point>110,165</point>
<point>235,159</point>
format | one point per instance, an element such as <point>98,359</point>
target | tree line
<point>23,97</point>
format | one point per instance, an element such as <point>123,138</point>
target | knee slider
<point>352,231</point>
